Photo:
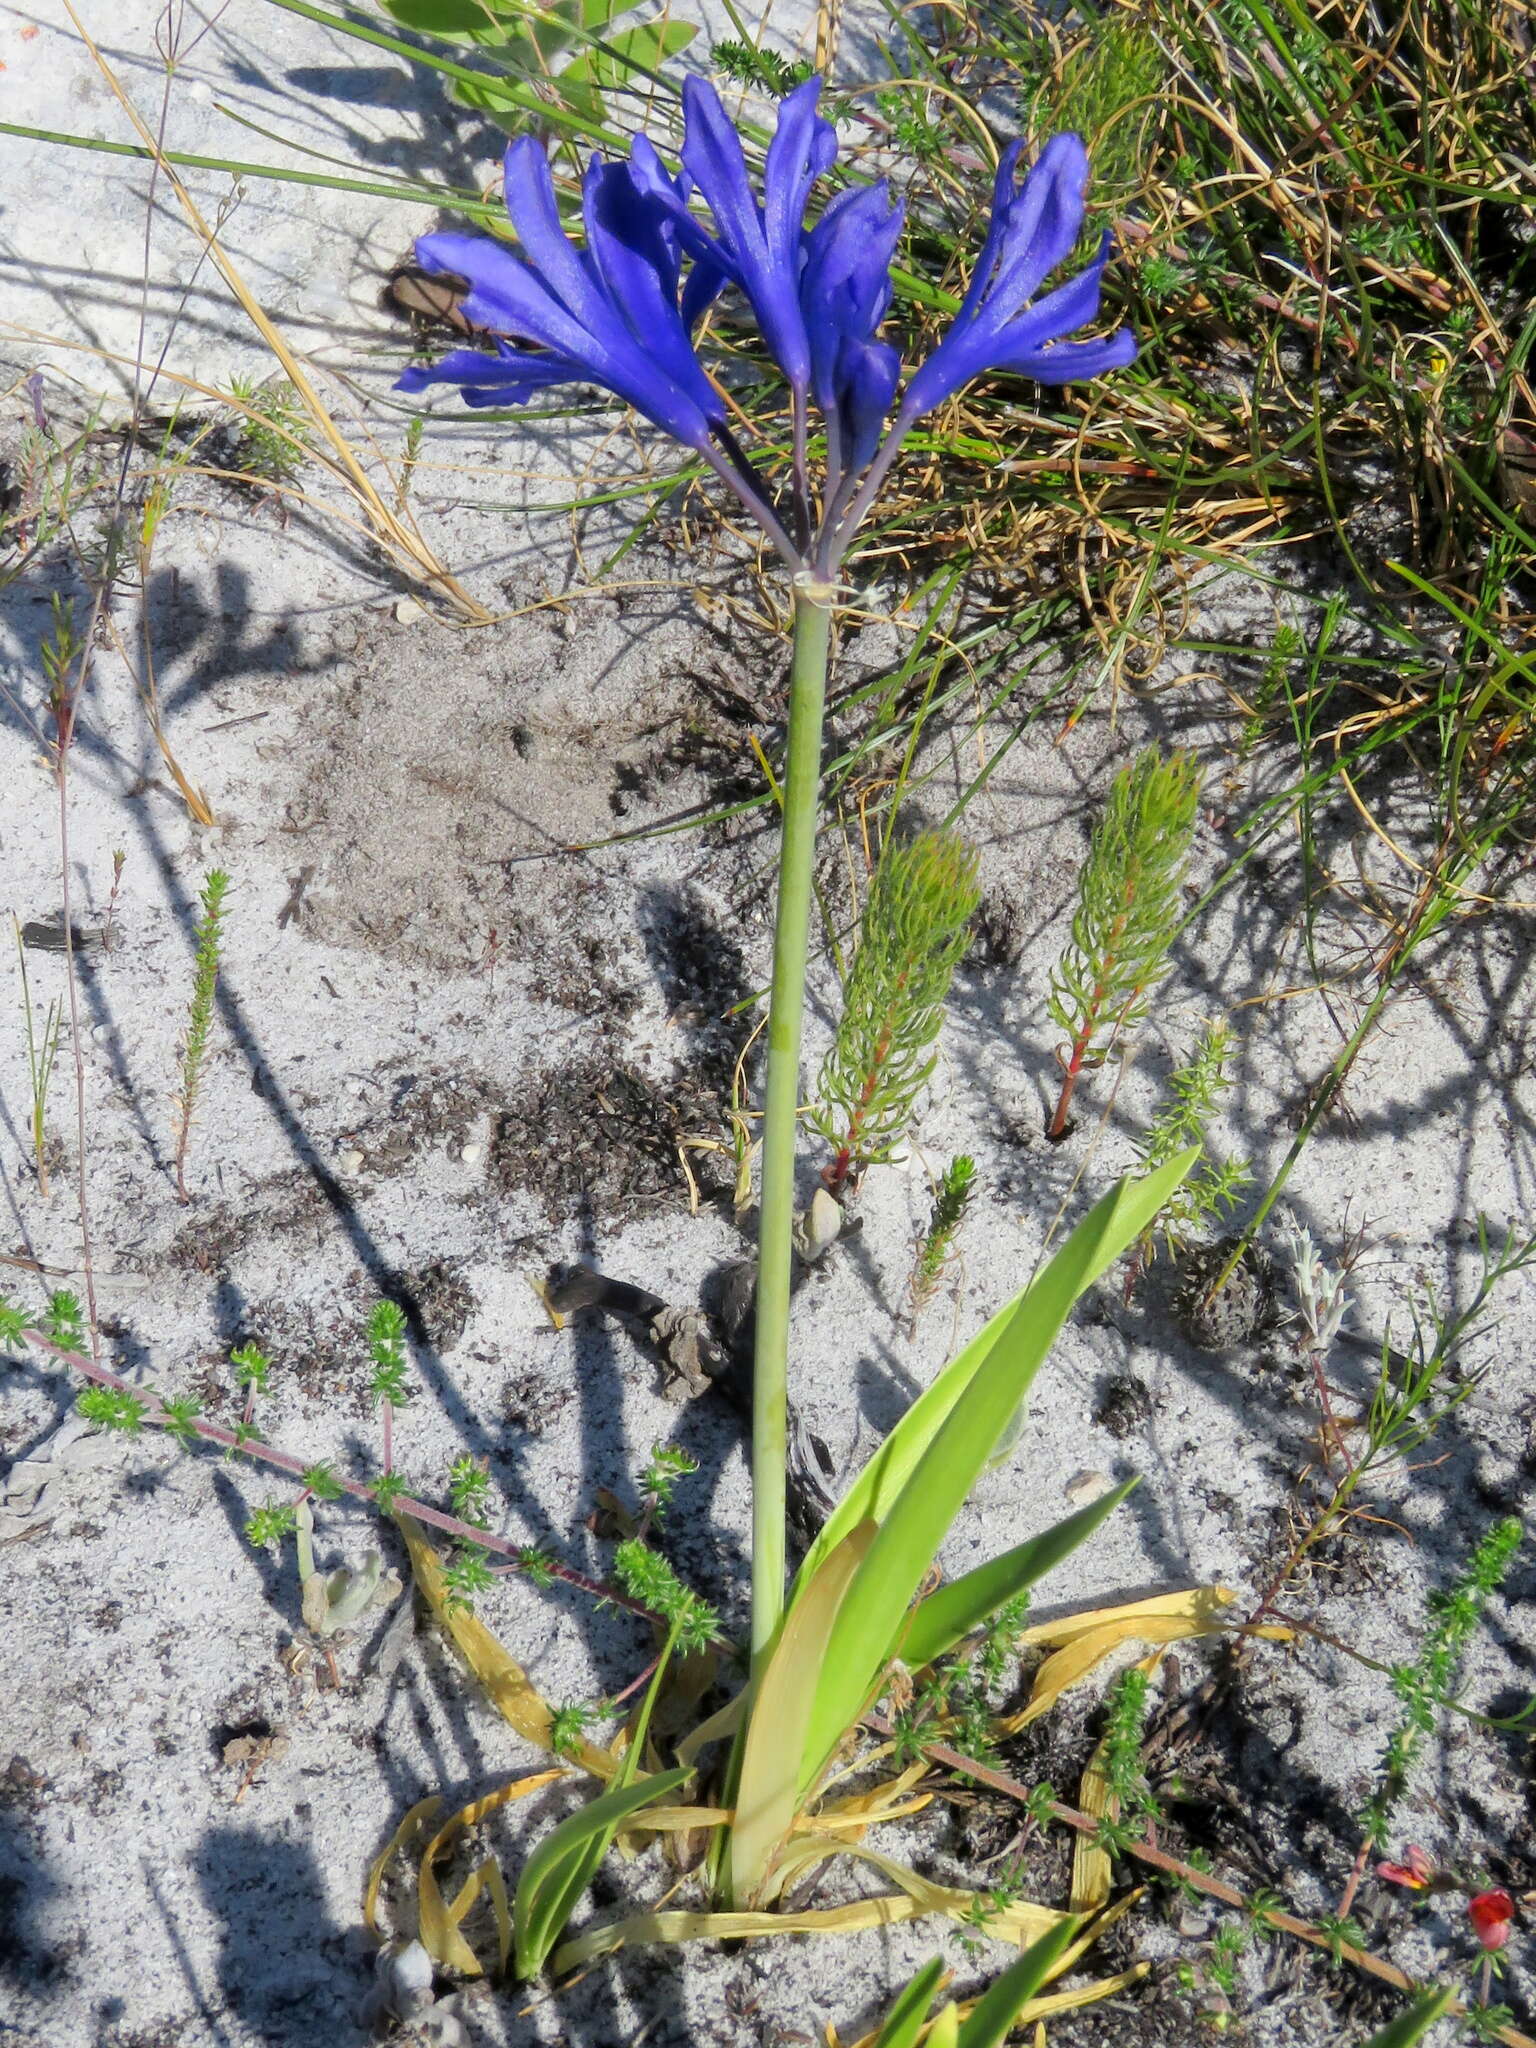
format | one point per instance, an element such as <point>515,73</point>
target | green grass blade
<point>1415,2023</point>
<point>410,194</point>
<point>947,1447</point>
<point>880,1483</point>
<point>561,1867</point>
<point>995,2012</point>
<point>965,1603</point>
<point>909,2014</point>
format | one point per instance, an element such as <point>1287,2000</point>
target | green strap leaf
<point>769,1777</point>
<point>993,2014</point>
<point>965,1603</point>
<point>561,1867</point>
<point>941,1456</point>
<point>1096,1243</point>
<point>1415,2023</point>
<point>909,2014</point>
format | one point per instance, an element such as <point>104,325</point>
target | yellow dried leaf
<point>1021,1922</point>
<point>487,1877</point>
<point>1085,1640</point>
<point>1042,2009</point>
<point>506,1684</point>
<point>774,1739</point>
<point>715,1729</point>
<point>437,1922</point>
<point>402,1838</point>
<point>1092,1867</point>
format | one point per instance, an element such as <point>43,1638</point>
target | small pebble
<point>408,611</point>
<point>473,1153</point>
<point>350,1160</point>
<point>1085,1487</point>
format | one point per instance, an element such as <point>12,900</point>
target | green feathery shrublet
<point>915,928</point>
<point>1192,1098</point>
<point>1127,912</point>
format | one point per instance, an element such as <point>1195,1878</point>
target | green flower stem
<point>791,933</point>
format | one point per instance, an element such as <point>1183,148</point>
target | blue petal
<point>759,248</point>
<point>506,378</point>
<point>1000,326</point>
<point>582,323</point>
<point>803,149</point>
<point>638,270</point>
<point>504,295</point>
<point>1041,224</point>
<point>845,291</point>
<point>529,191</point>
<point>867,375</point>
<point>1070,362</point>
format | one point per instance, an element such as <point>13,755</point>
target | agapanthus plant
<point>622,311</point>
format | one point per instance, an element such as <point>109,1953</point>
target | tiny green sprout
<point>12,1324</point>
<point>985,1905</point>
<point>1340,1933</point>
<point>668,1463</point>
<point>1487,2022</point>
<point>1041,1803</point>
<point>772,74</point>
<point>918,1723</point>
<point>386,1345</point>
<point>64,1321</point>
<point>322,1482</point>
<point>194,1050</point>
<point>646,1576</point>
<point>113,1408</point>
<point>1115,1834</point>
<point>387,1489</point>
<point>1001,1640</point>
<point>971,1721</point>
<point>1199,1860</point>
<point>177,1419</point>
<point>468,1484</point>
<point>567,1725</point>
<point>271,1523</point>
<point>253,1368</point>
<point>467,1575</point>
<point>1163,278</point>
<point>952,1197</point>
<point>1262,1906</point>
<point>1429,1682</point>
<point>538,1565</point>
<point>1124,1730</point>
<point>274,432</point>
<point>1192,1096</point>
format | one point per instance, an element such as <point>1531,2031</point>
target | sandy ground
<point>446,1055</point>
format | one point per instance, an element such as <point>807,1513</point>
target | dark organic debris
<point>1243,1311</point>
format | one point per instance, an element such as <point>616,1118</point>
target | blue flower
<point>621,312</point>
<point>760,248</point>
<point>845,293</point>
<point>609,314</point>
<point>1001,325</point>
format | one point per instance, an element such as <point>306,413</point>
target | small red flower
<point>1491,1914</point>
<point>1416,1873</point>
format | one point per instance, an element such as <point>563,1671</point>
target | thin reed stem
<point>797,851</point>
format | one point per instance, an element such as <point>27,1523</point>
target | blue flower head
<point>620,312</point>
